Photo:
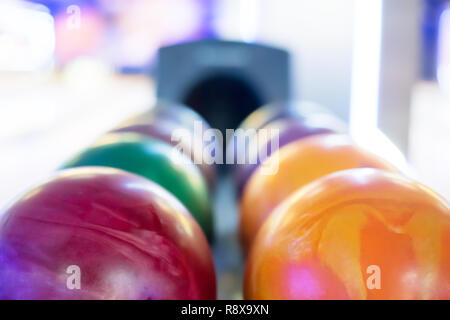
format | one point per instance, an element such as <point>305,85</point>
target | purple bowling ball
<point>265,115</point>
<point>268,113</point>
<point>290,129</point>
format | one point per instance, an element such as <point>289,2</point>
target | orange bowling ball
<point>354,234</point>
<point>293,166</point>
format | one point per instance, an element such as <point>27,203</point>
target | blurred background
<point>70,70</point>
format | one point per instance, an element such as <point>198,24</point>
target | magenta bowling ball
<point>102,233</point>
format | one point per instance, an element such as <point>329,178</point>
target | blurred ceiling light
<point>27,39</point>
<point>443,71</point>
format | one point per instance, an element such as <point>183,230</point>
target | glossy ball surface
<point>290,109</point>
<point>129,238</point>
<point>163,130</point>
<point>156,161</point>
<point>270,112</point>
<point>288,130</point>
<point>166,111</point>
<point>356,234</point>
<point>293,166</point>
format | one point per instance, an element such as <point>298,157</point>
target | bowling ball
<point>293,166</point>
<point>163,130</point>
<point>163,119</point>
<point>239,146</point>
<point>168,111</point>
<point>289,130</point>
<point>354,234</point>
<point>280,110</point>
<point>102,233</point>
<point>156,161</point>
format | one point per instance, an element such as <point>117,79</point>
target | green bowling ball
<point>156,161</point>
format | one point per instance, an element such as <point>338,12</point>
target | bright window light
<point>365,84</point>
<point>366,66</point>
<point>249,16</point>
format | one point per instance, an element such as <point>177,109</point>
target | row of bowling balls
<point>336,221</point>
<point>122,219</point>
